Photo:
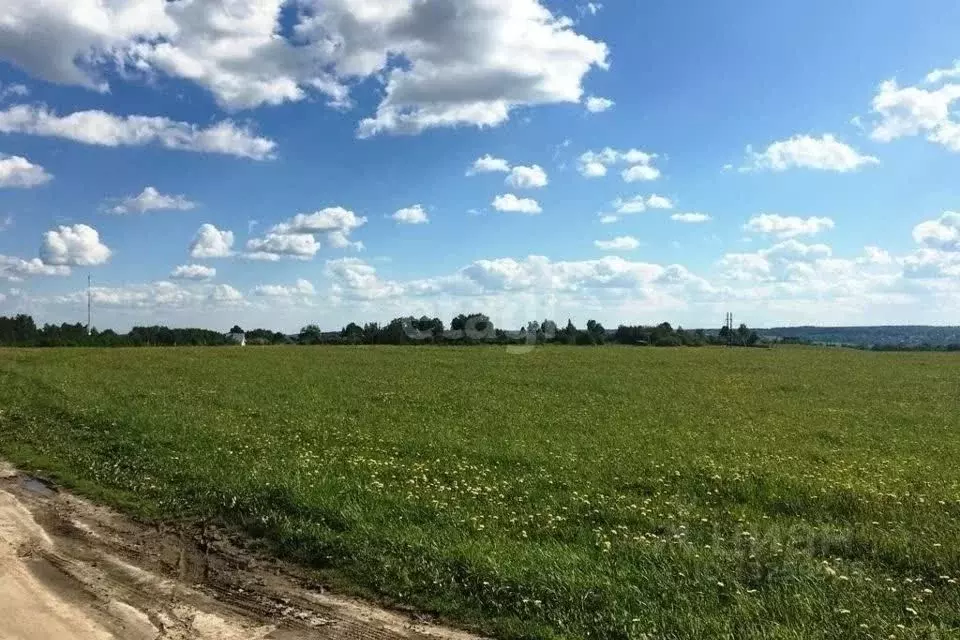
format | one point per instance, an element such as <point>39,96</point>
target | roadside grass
<point>567,493</point>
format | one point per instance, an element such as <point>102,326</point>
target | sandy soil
<point>73,570</point>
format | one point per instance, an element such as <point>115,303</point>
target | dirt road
<point>73,570</point>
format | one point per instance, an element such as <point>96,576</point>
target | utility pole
<point>89,304</point>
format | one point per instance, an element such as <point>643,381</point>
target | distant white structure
<point>239,337</point>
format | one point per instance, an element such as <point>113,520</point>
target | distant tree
<point>236,329</point>
<point>352,333</point>
<point>371,333</point>
<point>477,326</point>
<point>597,333</point>
<point>725,334</point>
<point>310,334</point>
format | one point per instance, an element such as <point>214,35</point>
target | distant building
<point>239,337</point>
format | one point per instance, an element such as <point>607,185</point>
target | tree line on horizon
<point>464,329</point>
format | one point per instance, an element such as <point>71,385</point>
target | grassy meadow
<point>567,493</point>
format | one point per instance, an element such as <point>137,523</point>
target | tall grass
<point>566,493</point>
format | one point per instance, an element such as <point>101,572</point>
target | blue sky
<point>789,163</point>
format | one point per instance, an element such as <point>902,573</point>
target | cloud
<point>942,233</point>
<point>334,223</point>
<point>595,164</point>
<point>825,153</point>
<point>301,288</point>
<point>468,65</point>
<point>691,218</point>
<point>440,64</point>
<point>659,202</point>
<point>193,272</point>
<point>640,172</point>
<point>540,274</point>
<point>520,177</point>
<point>15,90</point>
<point>589,8</point>
<point>914,110</point>
<point>639,204</point>
<point>608,219</point>
<point>876,255</point>
<point>939,75</point>
<point>766,263</point>
<point>488,164</point>
<point>599,105</point>
<point>16,269</point>
<point>930,264</point>
<point>411,215</point>
<point>501,282</point>
<point>106,129</point>
<point>225,294</point>
<point>17,171</point>
<point>636,204</point>
<point>211,242</point>
<point>322,221</point>
<point>621,243</point>
<point>787,226</point>
<point>273,246</point>
<point>354,278</point>
<point>77,245</point>
<point>156,295</point>
<point>340,240</point>
<point>297,237</point>
<point>510,203</point>
<point>533,177</point>
<point>152,200</point>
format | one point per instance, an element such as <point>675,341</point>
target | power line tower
<point>89,304</point>
<point>728,323</point>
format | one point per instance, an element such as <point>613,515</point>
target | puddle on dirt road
<point>36,485</point>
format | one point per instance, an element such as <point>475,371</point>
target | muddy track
<point>71,569</point>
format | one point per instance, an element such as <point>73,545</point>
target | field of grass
<point>602,493</point>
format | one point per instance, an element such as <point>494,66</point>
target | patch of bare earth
<point>73,570</point>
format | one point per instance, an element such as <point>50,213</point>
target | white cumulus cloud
<point>193,272</point>
<point>942,233</point>
<point>825,153</point>
<point>639,204</point>
<point>691,218</point>
<point>659,202</point>
<point>533,177</point>
<point>273,246</point>
<point>488,164</point>
<point>595,164</point>
<point>17,171</point>
<point>77,245</point>
<point>596,104</point>
<point>788,226</point>
<point>211,242</point>
<point>440,64</point>
<point>16,269</point>
<point>510,203</point>
<point>335,224</point>
<point>152,200</point>
<point>106,129</point>
<point>301,288</point>
<point>918,110</point>
<point>620,243</point>
<point>411,215</point>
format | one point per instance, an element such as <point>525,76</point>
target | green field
<point>607,493</point>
